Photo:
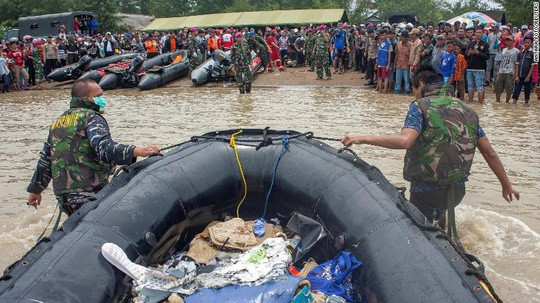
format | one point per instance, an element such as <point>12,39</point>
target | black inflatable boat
<point>75,70</point>
<point>161,75</point>
<point>161,202</point>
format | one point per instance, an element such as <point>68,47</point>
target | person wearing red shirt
<point>227,40</point>
<point>16,54</point>
<point>274,55</point>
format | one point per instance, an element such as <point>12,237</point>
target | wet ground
<point>505,236</point>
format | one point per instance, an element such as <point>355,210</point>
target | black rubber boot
<point>242,89</point>
<point>248,87</point>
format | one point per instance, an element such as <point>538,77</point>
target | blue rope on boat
<point>284,142</point>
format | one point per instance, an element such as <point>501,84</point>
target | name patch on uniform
<point>66,121</point>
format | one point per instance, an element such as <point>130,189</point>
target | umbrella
<point>468,18</point>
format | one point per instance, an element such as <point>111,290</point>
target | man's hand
<point>526,79</point>
<point>508,192</point>
<point>146,151</point>
<point>34,200</point>
<point>350,139</point>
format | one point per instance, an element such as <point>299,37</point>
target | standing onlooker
<point>458,79</point>
<point>76,27</point>
<point>438,49</point>
<point>447,67</point>
<point>109,44</point>
<point>152,47</point>
<point>507,72</point>
<point>428,49</point>
<point>50,55</point>
<point>62,52</point>
<point>416,50</point>
<point>339,47</point>
<point>4,72</point>
<point>17,56</point>
<point>38,64</point>
<point>520,37</point>
<point>477,55</point>
<point>403,52</point>
<point>283,45</point>
<point>383,63</point>
<point>372,48</point>
<point>493,43</point>
<point>524,66</point>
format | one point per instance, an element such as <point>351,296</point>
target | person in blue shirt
<point>339,47</point>
<point>383,62</point>
<point>447,66</point>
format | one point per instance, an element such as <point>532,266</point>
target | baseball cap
<point>439,37</point>
<point>405,34</point>
<point>524,26</point>
<point>370,30</point>
<point>509,37</point>
<point>415,31</point>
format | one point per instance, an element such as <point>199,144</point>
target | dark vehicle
<point>407,17</point>
<point>45,25</point>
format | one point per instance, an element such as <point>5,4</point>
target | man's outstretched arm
<point>495,163</point>
<point>401,140</point>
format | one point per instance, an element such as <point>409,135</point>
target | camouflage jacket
<point>255,45</point>
<point>444,151</point>
<point>191,45</point>
<point>309,44</point>
<point>320,45</point>
<point>262,41</point>
<point>241,55</point>
<point>79,153</point>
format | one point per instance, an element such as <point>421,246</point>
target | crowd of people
<point>469,57</point>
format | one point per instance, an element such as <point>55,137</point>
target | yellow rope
<point>233,145</point>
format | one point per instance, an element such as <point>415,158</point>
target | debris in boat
<point>232,272</point>
<point>251,267</point>
<point>309,232</point>
<point>280,290</point>
<point>235,234</point>
<point>334,277</point>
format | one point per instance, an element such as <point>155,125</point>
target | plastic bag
<point>334,277</point>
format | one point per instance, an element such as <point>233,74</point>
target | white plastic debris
<point>256,266</point>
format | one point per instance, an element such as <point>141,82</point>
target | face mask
<point>101,102</point>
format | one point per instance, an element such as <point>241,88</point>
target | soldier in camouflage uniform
<point>79,154</point>
<point>441,135</point>
<point>320,54</point>
<point>191,47</point>
<point>258,45</point>
<point>263,50</point>
<point>310,43</point>
<point>241,58</point>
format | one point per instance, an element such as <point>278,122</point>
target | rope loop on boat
<point>232,143</point>
<point>284,142</point>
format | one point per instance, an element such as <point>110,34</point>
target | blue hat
<point>370,30</point>
<point>251,34</point>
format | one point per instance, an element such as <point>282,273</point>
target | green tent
<point>258,18</point>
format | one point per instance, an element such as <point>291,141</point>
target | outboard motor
<point>221,58</point>
<point>136,64</point>
<point>81,66</point>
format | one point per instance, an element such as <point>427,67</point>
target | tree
<point>517,11</point>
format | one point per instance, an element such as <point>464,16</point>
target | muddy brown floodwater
<point>505,236</point>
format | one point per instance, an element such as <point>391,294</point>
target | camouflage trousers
<point>70,203</point>
<point>193,63</point>
<point>309,60</point>
<point>322,63</point>
<point>242,74</point>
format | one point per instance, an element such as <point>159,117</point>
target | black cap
<point>370,30</point>
<point>405,34</point>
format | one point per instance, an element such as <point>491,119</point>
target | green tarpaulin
<point>260,18</point>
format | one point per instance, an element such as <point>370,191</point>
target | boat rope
<point>284,142</point>
<point>50,220</point>
<point>232,143</point>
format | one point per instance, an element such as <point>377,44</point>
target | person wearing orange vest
<point>151,47</point>
<point>171,44</point>
<point>214,42</point>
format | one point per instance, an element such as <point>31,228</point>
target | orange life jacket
<point>151,46</point>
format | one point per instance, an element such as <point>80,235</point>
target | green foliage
<point>518,12</point>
